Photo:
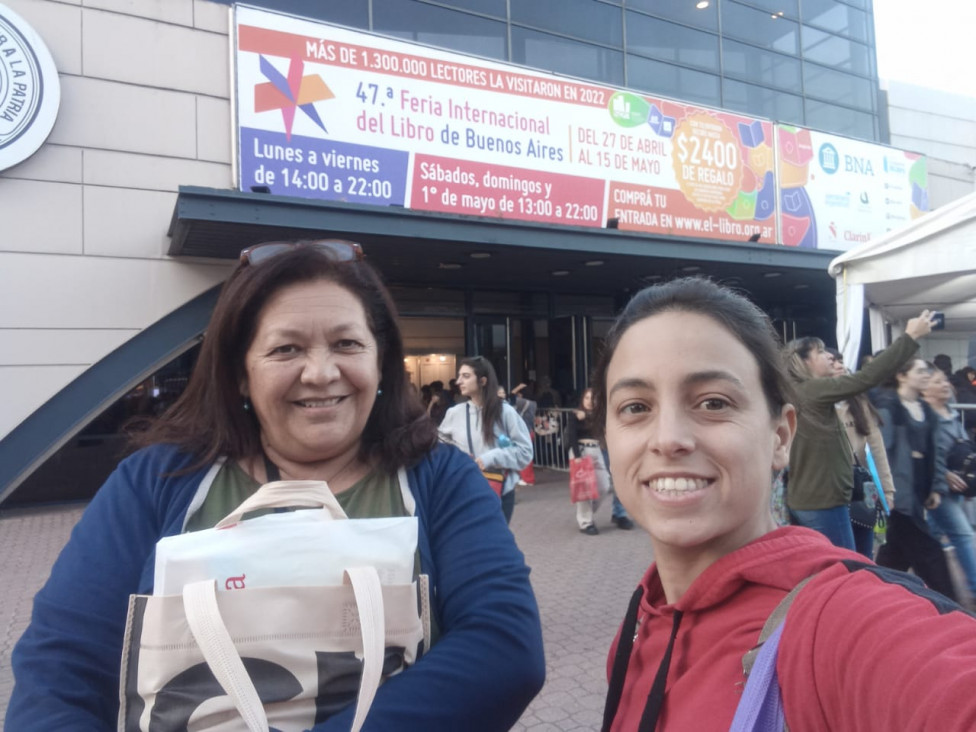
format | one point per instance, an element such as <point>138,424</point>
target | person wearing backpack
<point>698,413</point>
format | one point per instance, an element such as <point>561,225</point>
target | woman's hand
<point>956,484</point>
<point>481,465</point>
<point>920,326</point>
<point>580,414</point>
<point>933,501</point>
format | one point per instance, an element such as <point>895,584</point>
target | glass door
<point>491,338</point>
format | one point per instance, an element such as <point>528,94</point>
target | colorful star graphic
<point>288,94</point>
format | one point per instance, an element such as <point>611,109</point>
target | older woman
<point>699,414</point>
<point>300,376</point>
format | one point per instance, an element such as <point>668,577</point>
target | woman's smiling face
<point>312,371</point>
<point>692,443</point>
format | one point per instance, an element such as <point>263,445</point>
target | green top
<point>375,495</point>
<point>821,462</point>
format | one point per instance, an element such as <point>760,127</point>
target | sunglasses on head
<point>338,250</point>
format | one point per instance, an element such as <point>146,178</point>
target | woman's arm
<point>904,652</point>
<point>452,429</point>
<point>66,665</point>
<point>517,455</point>
<point>837,388</point>
<point>572,434</point>
<point>488,664</point>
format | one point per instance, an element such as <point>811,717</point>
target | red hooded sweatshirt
<point>863,648</point>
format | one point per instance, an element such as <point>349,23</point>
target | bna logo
<point>829,159</point>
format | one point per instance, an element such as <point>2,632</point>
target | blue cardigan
<point>482,673</point>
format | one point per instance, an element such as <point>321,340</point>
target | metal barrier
<point>551,450</point>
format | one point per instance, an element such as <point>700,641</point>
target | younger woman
<point>582,437</point>
<point>487,428</point>
<point>698,415</point>
<point>949,518</point>
<point>910,432</point>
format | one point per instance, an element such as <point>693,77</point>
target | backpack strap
<point>774,620</point>
<point>761,705</point>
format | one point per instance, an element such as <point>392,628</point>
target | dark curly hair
<point>208,419</point>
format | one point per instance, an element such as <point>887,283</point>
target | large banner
<point>329,113</point>
<point>836,193</point>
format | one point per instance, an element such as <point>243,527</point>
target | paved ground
<point>582,583</point>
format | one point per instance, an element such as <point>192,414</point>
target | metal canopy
<point>420,249</point>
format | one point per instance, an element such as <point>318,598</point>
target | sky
<point>927,43</point>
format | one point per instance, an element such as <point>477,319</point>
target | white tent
<point>930,263</point>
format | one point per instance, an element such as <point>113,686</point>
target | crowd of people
<point>694,410</point>
<point>895,409</point>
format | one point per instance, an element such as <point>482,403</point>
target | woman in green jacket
<point>821,462</point>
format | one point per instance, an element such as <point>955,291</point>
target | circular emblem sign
<point>29,90</point>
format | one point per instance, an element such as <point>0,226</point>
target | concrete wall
<point>145,87</point>
<point>943,127</point>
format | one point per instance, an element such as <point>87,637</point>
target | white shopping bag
<point>310,627</point>
<point>308,548</point>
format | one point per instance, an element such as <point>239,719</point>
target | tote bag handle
<point>217,647</point>
<point>286,494</point>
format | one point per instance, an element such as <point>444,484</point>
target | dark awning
<point>411,248</point>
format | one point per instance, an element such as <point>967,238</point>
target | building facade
<point>121,227</point>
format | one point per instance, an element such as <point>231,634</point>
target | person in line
<point>910,428</point>
<point>698,414</point>
<point>821,463</point>
<point>948,517</point>
<point>300,377</point>
<point>943,362</point>
<point>440,401</point>
<point>488,428</point>
<point>863,426</point>
<point>582,439</point>
<point>526,409</point>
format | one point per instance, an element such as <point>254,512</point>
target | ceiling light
<point>771,275</point>
<point>560,272</point>
<point>701,4</point>
<point>691,268</point>
<point>448,265</point>
<point>480,255</point>
<point>801,286</point>
<point>594,263</point>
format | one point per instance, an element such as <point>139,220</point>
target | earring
<point>247,404</point>
<point>379,392</point>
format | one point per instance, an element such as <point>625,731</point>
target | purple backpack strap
<point>761,706</point>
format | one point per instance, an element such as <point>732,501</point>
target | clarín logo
<point>291,93</point>
<point>29,90</point>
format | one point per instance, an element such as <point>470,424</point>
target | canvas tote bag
<point>224,656</point>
